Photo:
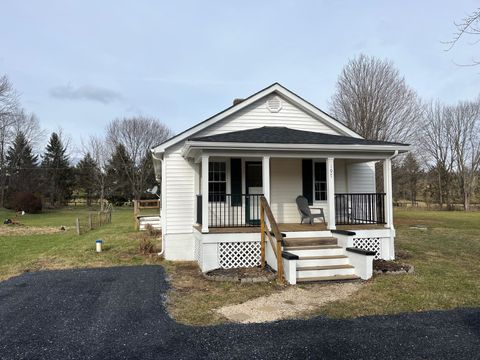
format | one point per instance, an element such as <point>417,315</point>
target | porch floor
<point>287,227</point>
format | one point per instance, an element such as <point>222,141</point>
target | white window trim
<point>315,202</point>
<point>227,175</point>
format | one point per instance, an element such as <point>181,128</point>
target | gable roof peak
<point>275,87</point>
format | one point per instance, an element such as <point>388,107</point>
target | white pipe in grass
<point>98,244</point>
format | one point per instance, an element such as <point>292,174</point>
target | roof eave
<point>209,145</point>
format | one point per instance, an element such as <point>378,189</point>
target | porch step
<point>154,221</point>
<point>327,267</point>
<point>310,241</point>
<point>329,270</point>
<point>322,260</point>
<point>316,250</point>
<point>311,247</point>
<point>329,278</point>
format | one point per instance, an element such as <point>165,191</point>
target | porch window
<point>320,181</point>
<point>217,181</point>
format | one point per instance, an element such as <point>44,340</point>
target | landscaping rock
<point>242,275</point>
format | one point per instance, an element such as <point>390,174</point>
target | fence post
<point>77,223</point>
<point>90,221</point>
<point>99,218</point>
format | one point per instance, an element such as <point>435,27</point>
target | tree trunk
<point>440,190</point>
<point>102,195</point>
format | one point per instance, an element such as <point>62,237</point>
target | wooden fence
<point>94,220</point>
<point>139,205</point>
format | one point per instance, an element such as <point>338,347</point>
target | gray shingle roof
<point>284,135</point>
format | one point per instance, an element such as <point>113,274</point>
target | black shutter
<point>307,180</point>
<point>236,179</point>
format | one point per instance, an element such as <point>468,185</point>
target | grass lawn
<point>65,249</point>
<point>446,260</point>
<point>445,256</point>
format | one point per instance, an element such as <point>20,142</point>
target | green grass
<point>31,252</point>
<point>445,257</point>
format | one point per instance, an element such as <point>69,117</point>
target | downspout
<point>161,200</point>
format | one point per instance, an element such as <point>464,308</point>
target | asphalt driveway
<point>118,313</point>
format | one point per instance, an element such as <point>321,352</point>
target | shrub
<point>26,201</point>
<point>146,246</point>
<point>151,231</point>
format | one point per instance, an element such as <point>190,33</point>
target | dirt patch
<point>256,274</point>
<point>291,303</point>
<point>402,254</point>
<point>20,230</point>
<point>193,299</point>
<point>383,266</point>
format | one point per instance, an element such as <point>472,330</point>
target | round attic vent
<point>274,104</point>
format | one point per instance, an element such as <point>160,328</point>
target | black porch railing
<point>351,209</point>
<point>231,210</point>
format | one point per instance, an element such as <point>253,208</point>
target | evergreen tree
<point>118,183</point>
<point>86,174</point>
<point>22,166</point>
<point>58,174</point>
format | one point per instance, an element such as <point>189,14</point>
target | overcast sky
<point>79,64</point>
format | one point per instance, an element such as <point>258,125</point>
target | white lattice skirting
<point>239,254</point>
<point>370,244</point>
<point>198,250</point>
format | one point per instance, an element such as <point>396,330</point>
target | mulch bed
<point>256,274</point>
<point>391,267</point>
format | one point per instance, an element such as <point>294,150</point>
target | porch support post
<point>331,194</point>
<point>387,187</point>
<point>204,193</point>
<point>266,177</point>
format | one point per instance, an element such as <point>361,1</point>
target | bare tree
<point>469,25</point>
<point>465,144</point>
<point>436,147</point>
<point>137,135</point>
<point>100,152</point>
<point>29,125</point>
<point>373,99</point>
<point>8,118</point>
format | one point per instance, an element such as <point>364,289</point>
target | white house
<point>277,145</point>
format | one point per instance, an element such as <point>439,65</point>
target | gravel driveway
<point>117,313</point>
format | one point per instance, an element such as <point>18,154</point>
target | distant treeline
<point>116,167</point>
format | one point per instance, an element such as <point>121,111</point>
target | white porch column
<point>266,177</point>
<point>204,193</point>
<point>387,187</point>
<point>331,194</point>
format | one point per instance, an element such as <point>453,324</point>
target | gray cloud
<point>86,92</point>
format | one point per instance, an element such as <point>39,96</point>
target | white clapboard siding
<point>257,115</point>
<point>340,176</point>
<point>286,185</point>
<point>361,177</point>
<point>179,192</point>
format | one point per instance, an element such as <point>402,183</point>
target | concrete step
<point>321,271</point>
<point>310,241</point>
<point>149,218</point>
<point>318,250</point>
<point>329,278</point>
<point>304,261</point>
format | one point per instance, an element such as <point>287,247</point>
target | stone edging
<point>258,279</point>
<point>399,272</point>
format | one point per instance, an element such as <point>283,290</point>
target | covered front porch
<point>289,227</point>
<point>229,190</point>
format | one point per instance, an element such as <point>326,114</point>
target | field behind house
<point>39,244</point>
<point>444,248</point>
